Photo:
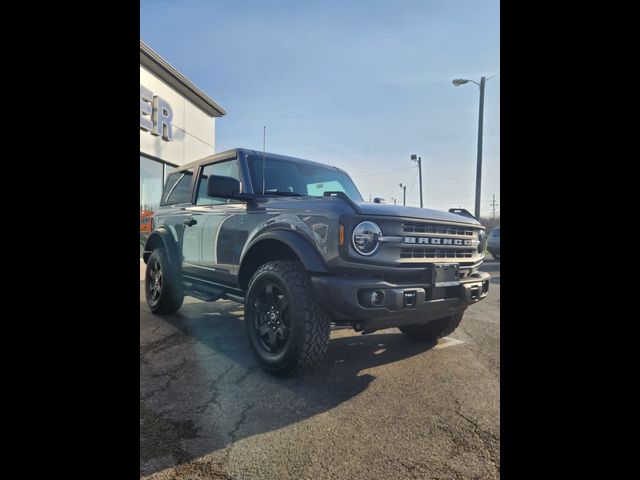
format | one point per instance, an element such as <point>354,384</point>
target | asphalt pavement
<point>379,406</point>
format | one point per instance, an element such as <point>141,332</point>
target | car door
<point>177,200</point>
<point>218,225</point>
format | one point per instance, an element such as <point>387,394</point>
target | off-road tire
<point>310,323</point>
<point>433,330</point>
<point>171,295</point>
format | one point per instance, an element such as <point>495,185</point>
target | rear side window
<point>177,188</point>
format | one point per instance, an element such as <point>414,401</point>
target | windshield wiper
<point>284,194</point>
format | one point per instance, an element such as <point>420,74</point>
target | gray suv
<point>294,242</point>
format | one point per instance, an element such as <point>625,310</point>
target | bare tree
<point>489,222</point>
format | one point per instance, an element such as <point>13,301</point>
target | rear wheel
<point>288,329</point>
<point>435,329</point>
<point>162,284</point>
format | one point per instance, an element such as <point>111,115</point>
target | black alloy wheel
<point>154,281</point>
<point>272,321</point>
<point>162,284</point>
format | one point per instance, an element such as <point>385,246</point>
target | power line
<point>383,173</point>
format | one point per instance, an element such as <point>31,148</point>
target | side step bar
<point>234,298</point>
<point>208,293</point>
<point>202,292</point>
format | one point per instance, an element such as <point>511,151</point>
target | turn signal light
<point>341,236</point>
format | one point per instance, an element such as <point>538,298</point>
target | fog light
<point>377,298</point>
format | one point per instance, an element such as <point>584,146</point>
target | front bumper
<point>346,298</point>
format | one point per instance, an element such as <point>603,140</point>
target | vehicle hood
<point>368,208</point>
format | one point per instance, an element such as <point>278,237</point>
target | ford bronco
<point>294,242</point>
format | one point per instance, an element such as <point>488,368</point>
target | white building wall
<point>193,130</point>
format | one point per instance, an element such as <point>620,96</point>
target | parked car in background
<point>493,243</point>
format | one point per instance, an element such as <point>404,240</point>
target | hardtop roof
<point>227,154</point>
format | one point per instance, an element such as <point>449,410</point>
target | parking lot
<point>379,406</point>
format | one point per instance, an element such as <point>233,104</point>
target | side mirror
<point>224,187</point>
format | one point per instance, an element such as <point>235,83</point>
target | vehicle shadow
<point>201,388</point>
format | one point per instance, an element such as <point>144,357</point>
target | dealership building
<point>177,126</point>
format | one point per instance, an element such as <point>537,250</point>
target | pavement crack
<point>219,377</point>
<point>488,439</point>
<point>245,375</point>
<point>241,420</point>
<point>212,399</point>
<point>163,343</point>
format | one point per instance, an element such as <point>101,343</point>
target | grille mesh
<point>421,252</point>
<point>423,227</point>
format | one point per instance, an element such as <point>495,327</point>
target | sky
<point>361,85</point>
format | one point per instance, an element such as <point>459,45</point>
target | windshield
<point>285,177</point>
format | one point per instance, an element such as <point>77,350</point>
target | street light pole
<point>404,194</point>
<point>461,81</point>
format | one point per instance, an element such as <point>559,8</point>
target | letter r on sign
<point>162,116</point>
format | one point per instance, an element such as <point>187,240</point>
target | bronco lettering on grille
<point>437,241</point>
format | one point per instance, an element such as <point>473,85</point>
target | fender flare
<point>308,255</point>
<point>162,236</point>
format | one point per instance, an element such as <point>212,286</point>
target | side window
<point>177,188</point>
<point>228,168</point>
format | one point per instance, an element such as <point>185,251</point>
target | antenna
<point>264,140</point>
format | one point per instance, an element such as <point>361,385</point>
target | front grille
<point>423,227</point>
<point>421,252</point>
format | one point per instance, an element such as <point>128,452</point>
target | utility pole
<point>479,167</point>
<point>394,200</point>
<point>494,205</point>
<point>370,198</point>
<point>404,194</point>
<point>415,158</point>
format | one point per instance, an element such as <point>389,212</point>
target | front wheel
<point>433,330</point>
<point>288,329</point>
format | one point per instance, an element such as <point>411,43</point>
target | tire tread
<point>317,322</point>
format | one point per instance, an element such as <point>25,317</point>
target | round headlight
<point>482,239</point>
<point>365,238</point>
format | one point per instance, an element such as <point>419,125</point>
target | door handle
<point>190,222</point>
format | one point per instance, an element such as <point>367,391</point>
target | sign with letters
<point>155,114</point>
